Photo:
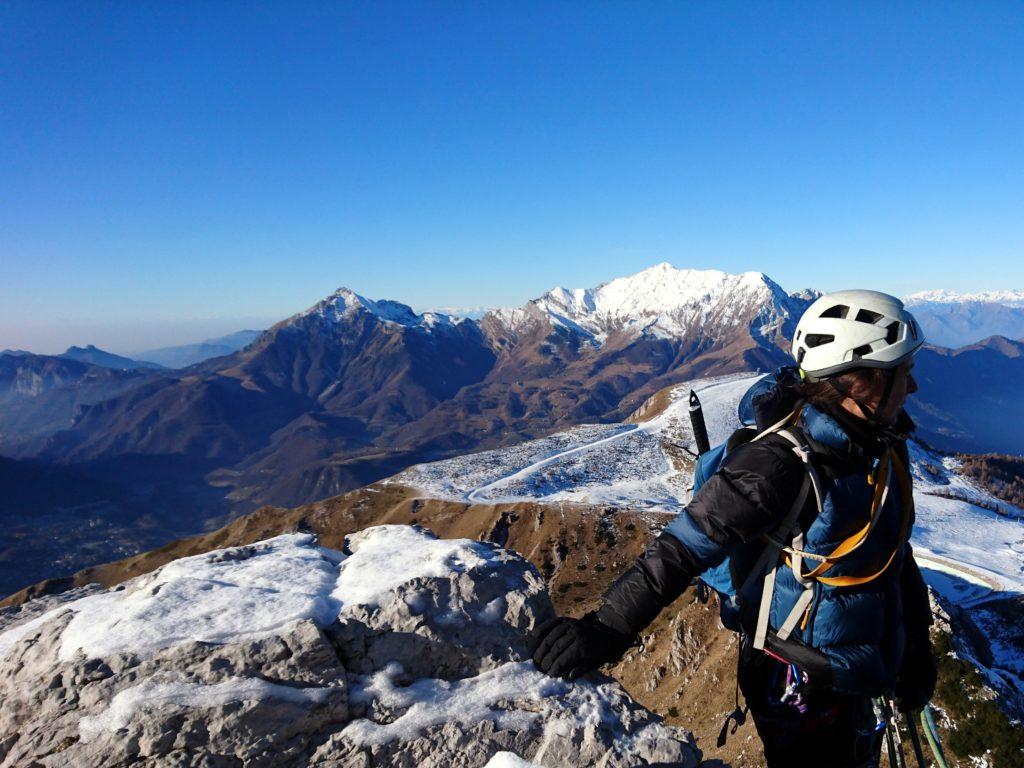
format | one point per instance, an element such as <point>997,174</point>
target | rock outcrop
<point>406,650</point>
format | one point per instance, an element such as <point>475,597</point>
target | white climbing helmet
<point>854,329</point>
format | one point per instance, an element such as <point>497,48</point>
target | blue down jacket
<point>853,637</point>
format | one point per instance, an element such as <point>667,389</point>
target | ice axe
<point>700,429</point>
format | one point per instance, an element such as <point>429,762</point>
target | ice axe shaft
<point>700,429</point>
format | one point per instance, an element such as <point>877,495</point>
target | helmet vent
<point>817,339</point>
<point>863,349</point>
<point>839,310</point>
<point>867,316</point>
<point>892,332</point>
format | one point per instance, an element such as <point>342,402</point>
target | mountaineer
<point>814,514</point>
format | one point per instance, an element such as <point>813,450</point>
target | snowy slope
<point>667,302</point>
<point>634,466</point>
<point>616,464</point>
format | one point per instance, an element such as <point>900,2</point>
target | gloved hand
<point>915,682</point>
<point>565,647</point>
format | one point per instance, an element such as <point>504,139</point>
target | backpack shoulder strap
<point>787,535</point>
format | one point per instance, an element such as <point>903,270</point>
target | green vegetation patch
<point>981,725</point>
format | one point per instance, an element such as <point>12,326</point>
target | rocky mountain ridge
<point>667,302</point>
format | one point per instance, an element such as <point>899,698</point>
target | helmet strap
<point>890,381</point>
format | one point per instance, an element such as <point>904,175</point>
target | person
<point>815,518</point>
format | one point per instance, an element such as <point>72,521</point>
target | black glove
<point>566,647</point>
<point>915,682</point>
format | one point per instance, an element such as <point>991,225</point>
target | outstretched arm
<point>749,495</point>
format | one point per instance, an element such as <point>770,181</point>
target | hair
<point>823,395</point>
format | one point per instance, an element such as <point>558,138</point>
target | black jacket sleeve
<point>749,495</point>
<point>917,610</point>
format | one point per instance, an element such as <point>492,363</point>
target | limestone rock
<point>406,650</point>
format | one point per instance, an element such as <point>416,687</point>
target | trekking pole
<point>915,738</point>
<point>884,716</point>
<point>896,731</point>
<point>700,428</point>
<point>932,734</point>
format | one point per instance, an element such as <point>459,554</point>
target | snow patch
<point>234,594</point>
<point>509,760</point>
<point>386,556</point>
<point>429,702</point>
<point>147,695</point>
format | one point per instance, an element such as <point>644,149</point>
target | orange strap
<point>856,540</point>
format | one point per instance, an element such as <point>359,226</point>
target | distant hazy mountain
<point>90,354</point>
<point>40,394</point>
<point>970,398</point>
<point>190,354</point>
<point>952,319</point>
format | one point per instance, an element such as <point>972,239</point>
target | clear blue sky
<point>174,170</point>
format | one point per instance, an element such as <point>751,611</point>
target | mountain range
<point>353,390</point>
<point>951,319</point>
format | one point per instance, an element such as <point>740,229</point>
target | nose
<point>911,384</point>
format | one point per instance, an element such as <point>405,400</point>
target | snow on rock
<point>344,303</point>
<point>246,592</point>
<point>127,704</point>
<point>508,760</point>
<point>405,650</point>
<point>665,302</point>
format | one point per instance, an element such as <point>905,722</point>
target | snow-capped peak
<point>666,301</point>
<point>345,303</point>
<point>1007,298</point>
